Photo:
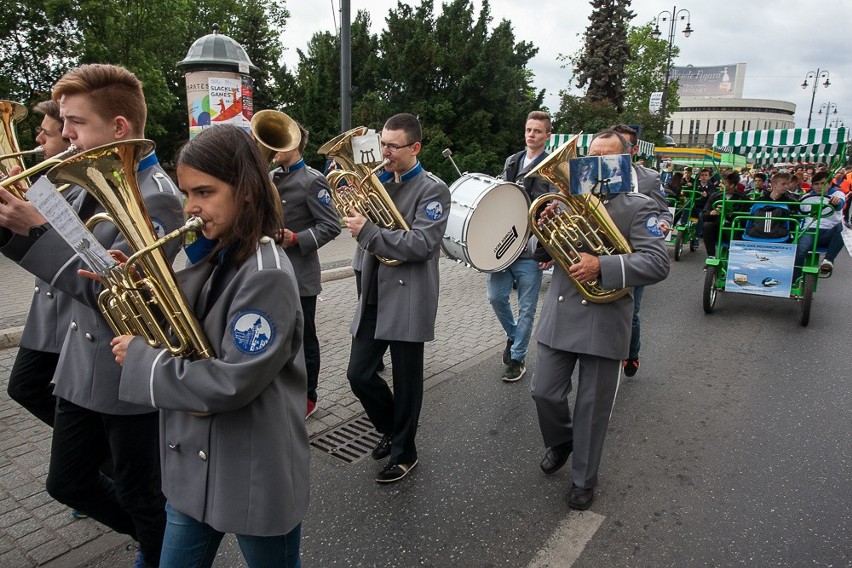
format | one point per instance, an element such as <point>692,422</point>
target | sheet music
<point>64,219</point>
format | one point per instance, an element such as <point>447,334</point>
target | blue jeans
<point>831,238</point>
<point>190,544</point>
<point>526,273</point>
<point>635,333</point>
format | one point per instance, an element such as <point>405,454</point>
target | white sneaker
<point>826,267</point>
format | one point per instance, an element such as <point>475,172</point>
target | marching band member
<point>50,310</point>
<point>571,329</point>
<point>99,104</point>
<point>310,222</point>
<point>398,304</point>
<point>243,468</point>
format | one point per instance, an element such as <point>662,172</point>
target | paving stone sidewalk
<point>37,531</point>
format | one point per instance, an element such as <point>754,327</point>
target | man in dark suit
<point>525,272</point>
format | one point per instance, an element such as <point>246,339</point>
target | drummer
<point>524,273</point>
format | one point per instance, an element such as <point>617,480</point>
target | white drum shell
<point>488,225</point>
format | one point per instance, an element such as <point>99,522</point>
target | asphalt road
<point>731,447</point>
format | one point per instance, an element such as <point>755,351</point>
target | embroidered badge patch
<point>652,224</point>
<point>434,210</point>
<point>252,332</point>
<point>159,229</point>
<point>323,196</point>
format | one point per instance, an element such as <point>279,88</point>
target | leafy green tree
<point>605,54</point>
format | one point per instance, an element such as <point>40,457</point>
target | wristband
<point>293,239</point>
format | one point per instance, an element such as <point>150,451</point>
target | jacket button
<point>561,298</point>
<point>90,337</point>
<point>73,326</point>
<point>202,456</point>
<point>401,283</point>
<point>585,302</point>
<point>49,294</point>
<point>174,447</point>
<point>37,290</point>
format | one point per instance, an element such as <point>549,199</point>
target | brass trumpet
<point>583,226</point>
<point>361,189</point>
<point>12,183</point>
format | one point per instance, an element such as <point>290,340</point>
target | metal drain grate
<point>349,442</point>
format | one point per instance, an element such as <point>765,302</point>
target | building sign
<point>718,81</point>
<point>656,102</point>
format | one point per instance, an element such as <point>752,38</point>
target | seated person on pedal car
<point>759,186</point>
<point>711,214</point>
<point>830,225</point>
<point>776,206</point>
<point>703,188</point>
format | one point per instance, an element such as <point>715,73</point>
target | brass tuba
<point>142,298</point>
<point>583,226</point>
<point>274,132</point>
<point>361,189</point>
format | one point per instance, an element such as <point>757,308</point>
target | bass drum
<point>488,226</point>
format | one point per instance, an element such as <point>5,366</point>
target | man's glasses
<point>396,147</point>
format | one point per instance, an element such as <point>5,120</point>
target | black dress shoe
<point>580,498</point>
<point>555,458</point>
<point>383,447</point>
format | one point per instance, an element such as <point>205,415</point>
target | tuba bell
<point>142,297</point>
<point>361,189</point>
<point>11,113</point>
<point>582,226</point>
<point>274,132</point>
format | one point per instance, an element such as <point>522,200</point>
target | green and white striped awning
<point>646,149</point>
<point>798,143</point>
<point>793,154</point>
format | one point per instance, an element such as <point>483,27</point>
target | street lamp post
<point>672,17</point>
<point>829,108</point>
<point>816,76</point>
<point>836,123</point>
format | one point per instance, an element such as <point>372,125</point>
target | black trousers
<point>131,502</point>
<point>395,413</point>
<point>311,344</point>
<point>29,383</point>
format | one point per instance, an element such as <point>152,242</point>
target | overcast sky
<point>779,40</point>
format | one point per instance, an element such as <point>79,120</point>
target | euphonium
<point>361,189</point>
<point>274,132</point>
<point>142,297</point>
<point>11,113</point>
<point>583,226</point>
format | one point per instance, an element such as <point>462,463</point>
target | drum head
<point>498,228</point>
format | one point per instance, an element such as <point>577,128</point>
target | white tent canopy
<point>793,144</point>
<point>646,149</point>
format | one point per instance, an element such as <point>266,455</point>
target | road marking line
<point>567,542</point>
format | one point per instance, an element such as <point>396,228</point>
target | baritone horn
<point>360,188</point>
<point>142,297</point>
<point>274,132</point>
<point>582,226</point>
<point>11,113</point>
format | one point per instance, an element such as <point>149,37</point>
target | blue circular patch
<point>159,229</point>
<point>434,210</point>
<point>652,224</point>
<point>252,332</point>
<point>324,196</point>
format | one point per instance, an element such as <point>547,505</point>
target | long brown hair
<point>227,153</point>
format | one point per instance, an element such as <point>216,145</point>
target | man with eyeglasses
<point>30,381</point>
<point>398,304</point>
<point>525,273</point>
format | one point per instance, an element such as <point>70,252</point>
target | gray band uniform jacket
<point>649,184</point>
<point>244,469</point>
<point>50,309</point>
<point>408,293</point>
<point>87,374</point>
<point>569,323</point>
<point>308,212</point>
